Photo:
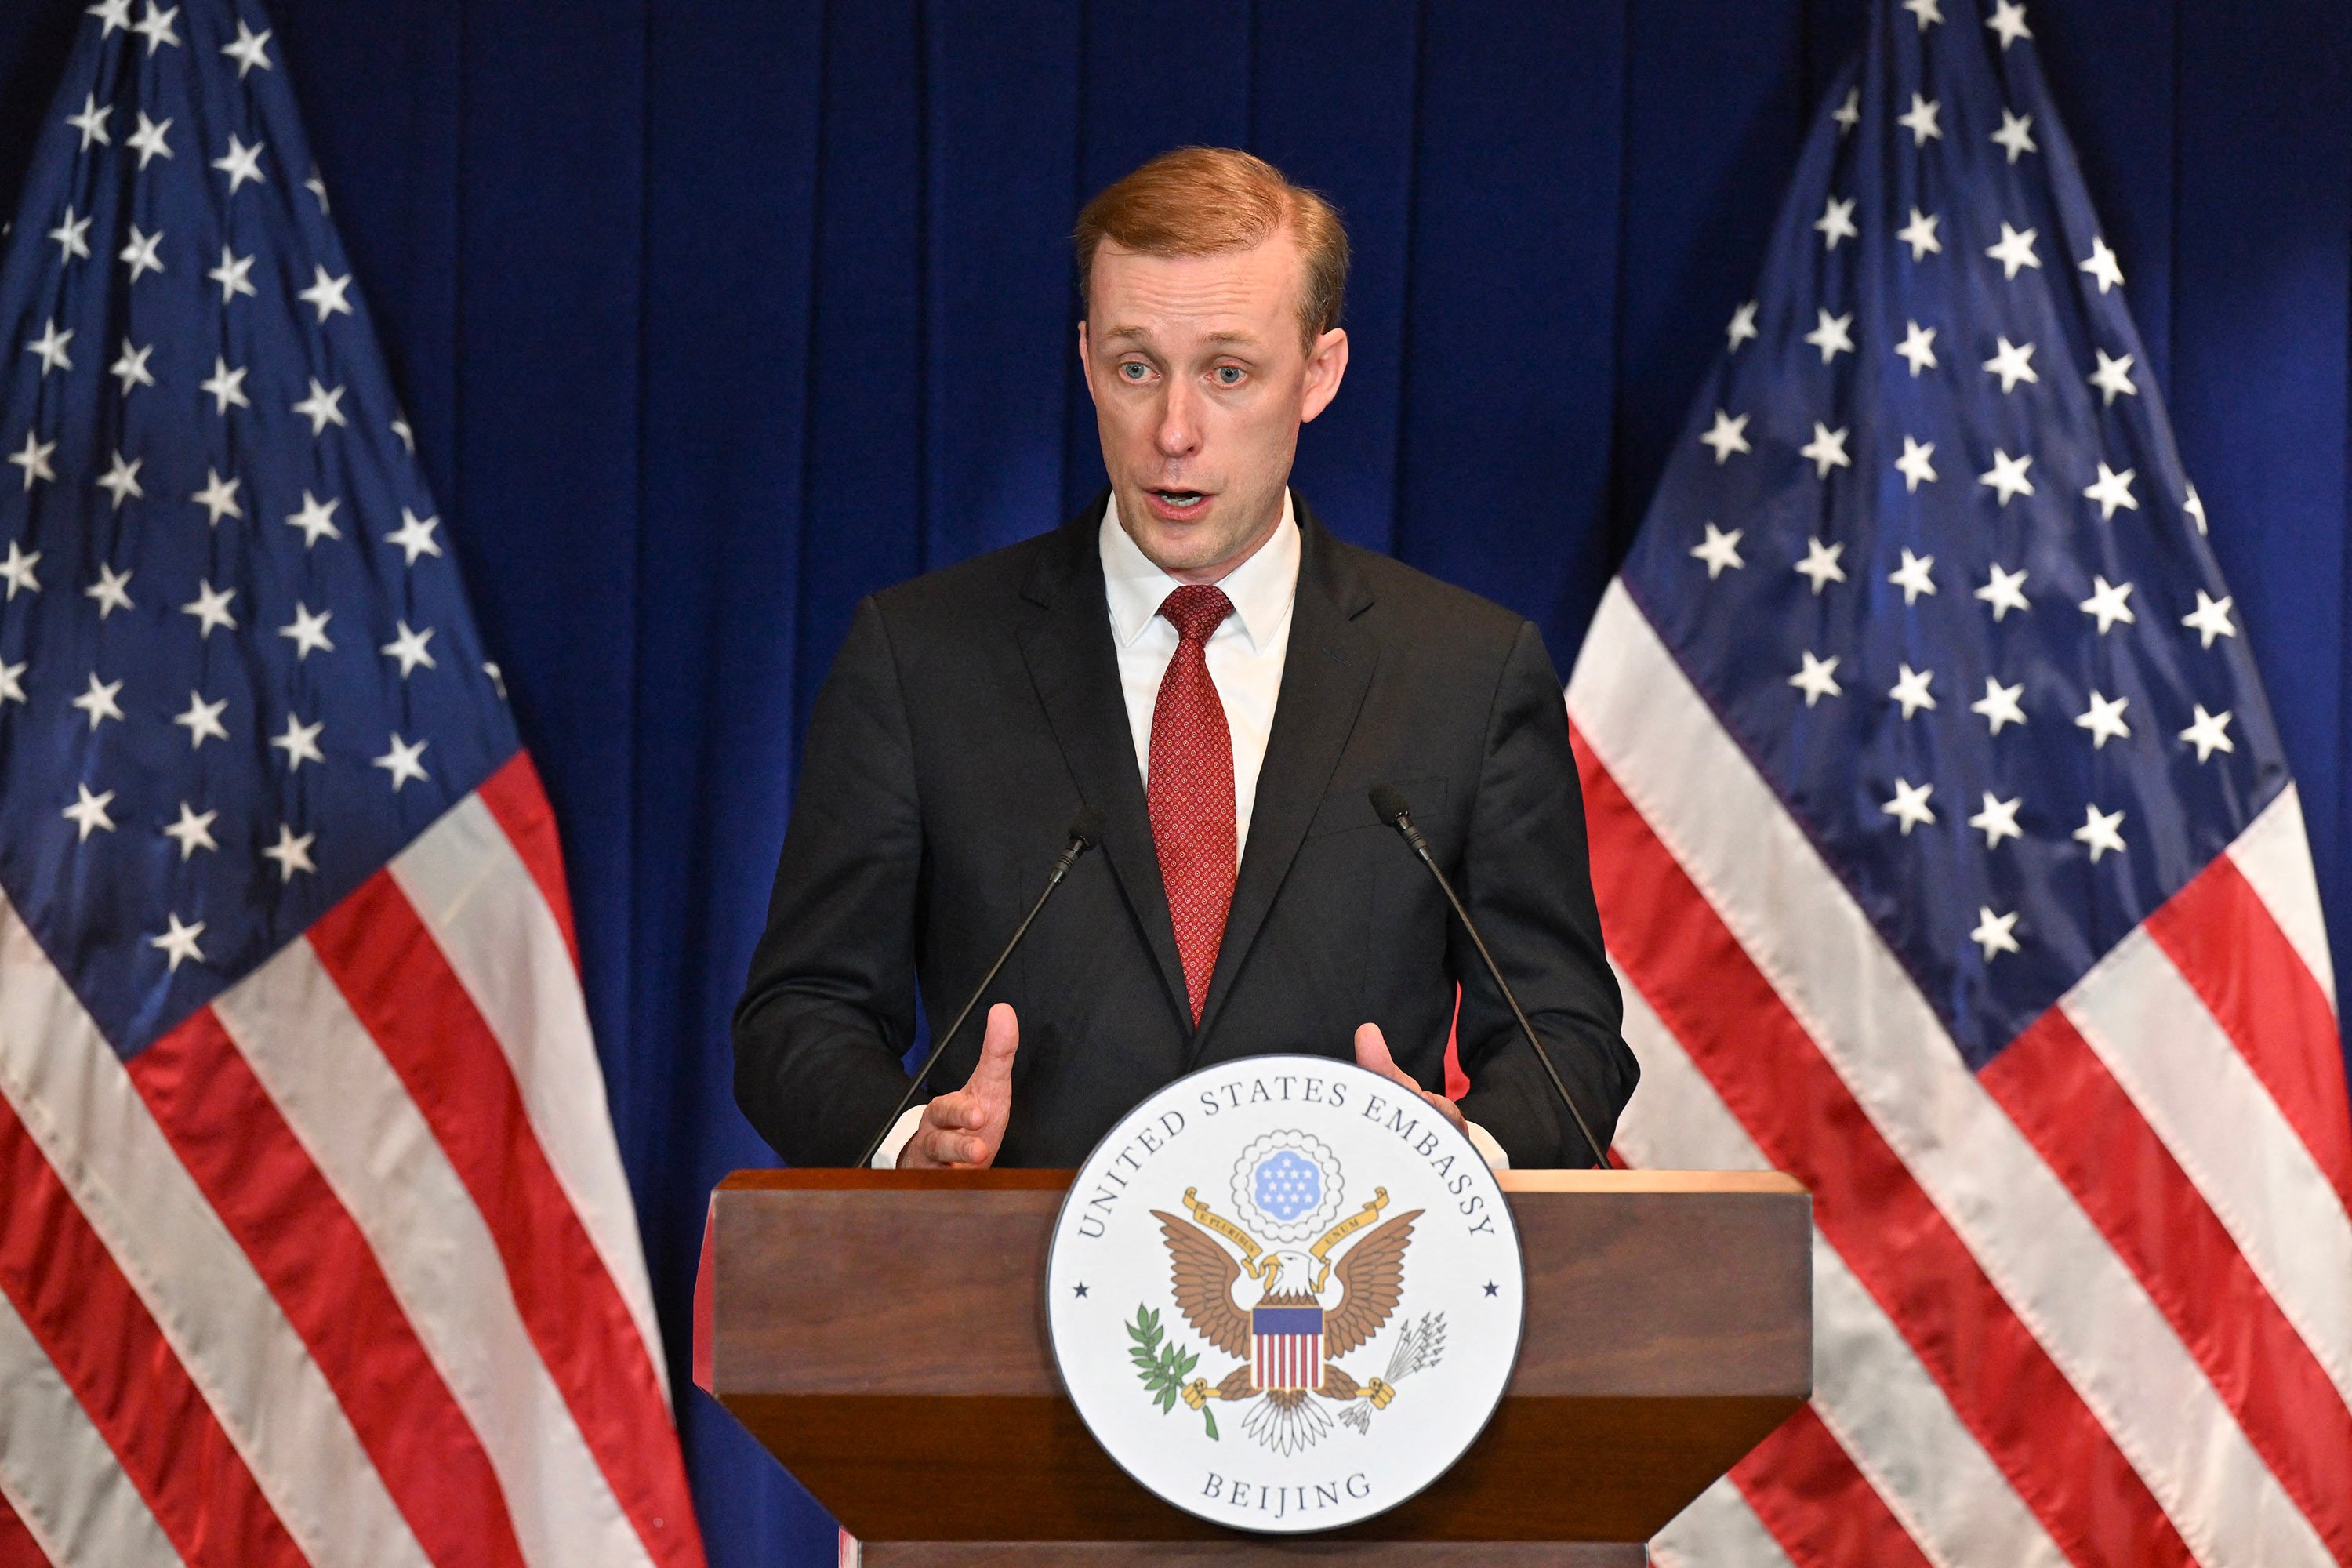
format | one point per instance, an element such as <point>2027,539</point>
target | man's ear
<point>1327,366</point>
<point>1085,365</point>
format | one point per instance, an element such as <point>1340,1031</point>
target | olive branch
<point>1162,1367</point>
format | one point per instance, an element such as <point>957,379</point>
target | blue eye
<point>1133,370</point>
<point>1229,375</point>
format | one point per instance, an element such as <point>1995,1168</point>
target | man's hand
<point>1372,1052</point>
<point>962,1130</point>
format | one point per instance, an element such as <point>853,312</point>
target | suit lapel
<point>1325,674</point>
<point>1074,669</point>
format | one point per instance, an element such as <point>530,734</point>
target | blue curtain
<point>713,315</point>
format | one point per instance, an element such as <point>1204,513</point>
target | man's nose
<point>1178,433</point>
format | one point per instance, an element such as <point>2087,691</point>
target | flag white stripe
<point>1869,1388</point>
<point>472,890</point>
<point>1717,1531</point>
<point>1724,824</point>
<point>57,1471</point>
<point>251,1366</point>
<point>374,1149</point>
<point>2275,857</point>
<point>2191,1084</point>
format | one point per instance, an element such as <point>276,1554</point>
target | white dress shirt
<point>1244,657</point>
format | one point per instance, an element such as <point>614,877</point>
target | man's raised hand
<point>962,1130</point>
<point>1372,1054</point>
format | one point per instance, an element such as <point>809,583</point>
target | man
<point>1198,659</point>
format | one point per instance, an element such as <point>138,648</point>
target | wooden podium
<point>883,1335</point>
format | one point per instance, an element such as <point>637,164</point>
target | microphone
<point>1392,809</point>
<point>1085,833</point>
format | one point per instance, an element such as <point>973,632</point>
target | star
<point>248,51</point>
<point>1909,805</point>
<point>1998,820</point>
<point>409,648</point>
<point>1918,346</point>
<point>148,141</point>
<point>1913,464</point>
<point>34,458</point>
<point>12,681</point>
<point>226,387</point>
<point>180,942</point>
<point>2007,476</point>
<point>1718,549</point>
<point>1927,11</point>
<point>317,187</point>
<point>323,408</point>
<point>2211,619</point>
<point>301,743</point>
<point>402,763</point>
<point>2104,720</point>
<point>99,701</point>
<point>1827,449</point>
<point>1079,1290</point>
<point>51,346</point>
<point>292,853</point>
<point>1727,436</point>
<point>1820,565</point>
<point>91,121</point>
<point>2009,21</point>
<point>232,274</point>
<point>140,253</point>
<point>2107,603</point>
<point>240,163</point>
<point>2098,832</point>
<point>88,813</point>
<point>2112,490</point>
<point>415,536</point>
<point>1919,234</point>
<point>113,13</point>
<point>1831,337</point>
<point>2196,510</point>
<point>18,569</point>
<point>309,631</point>
<point>1911,691</point>
<point>1920,120</point>
<point>203,720</point>
<point>112,591</point>
<point>72,236</point>
<point>1836,223</point>
<point>156,26</point>
<point>1912,576</point>
<point>2206,734</point>
<point>2101,265</point>
<point>1992,932</point>
<point>2012,362</point>
<point>218,498</point>
<point>407,436</point>
<point>130,368</point>
<point>2000,705</point>
<point>193,831</point>
<point>316,520</point>
<point>2015,250</point>
<point>327,295</point>
<point>210,609</point>
<point>2016,135</point>
<point>1742,328</point>
<point>2113,377</point>
<point>1848,114</point>
<point>1493,1289</point>
<point>1818,679</point>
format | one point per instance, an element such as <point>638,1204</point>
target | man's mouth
<point>1177,506</point>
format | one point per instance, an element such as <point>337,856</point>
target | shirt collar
<point>1262,588</point>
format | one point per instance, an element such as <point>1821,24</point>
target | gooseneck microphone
<point>1392,809</point>
<point>1085,832</point>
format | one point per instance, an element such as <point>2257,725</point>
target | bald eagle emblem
<point>1314,1303</point>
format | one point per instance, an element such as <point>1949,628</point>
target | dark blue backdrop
<point>712,315</point>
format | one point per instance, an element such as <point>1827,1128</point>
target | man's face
<point>1200,381</point>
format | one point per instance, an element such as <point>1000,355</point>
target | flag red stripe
<point>2222,938</point>
<point>308,1250</point>
<point>74,1298</point>
<point>519,805</point>
<point>2002,1385</point>
<point>2062,1097</point>
<point>17,1547</point>
<point>400,988</point>
<point>1805,1488</point>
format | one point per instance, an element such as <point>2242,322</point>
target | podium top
<point>837,1179</point>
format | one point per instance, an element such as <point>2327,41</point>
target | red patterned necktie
<point>1192,789</point>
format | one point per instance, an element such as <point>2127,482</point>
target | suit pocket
<point>1346,810</point>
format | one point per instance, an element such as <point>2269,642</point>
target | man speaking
<point>1222,680</point>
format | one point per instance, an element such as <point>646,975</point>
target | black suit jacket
<point>973,710</point>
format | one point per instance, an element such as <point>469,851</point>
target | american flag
<point>314,1241</point>
<point>1947,851</point>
